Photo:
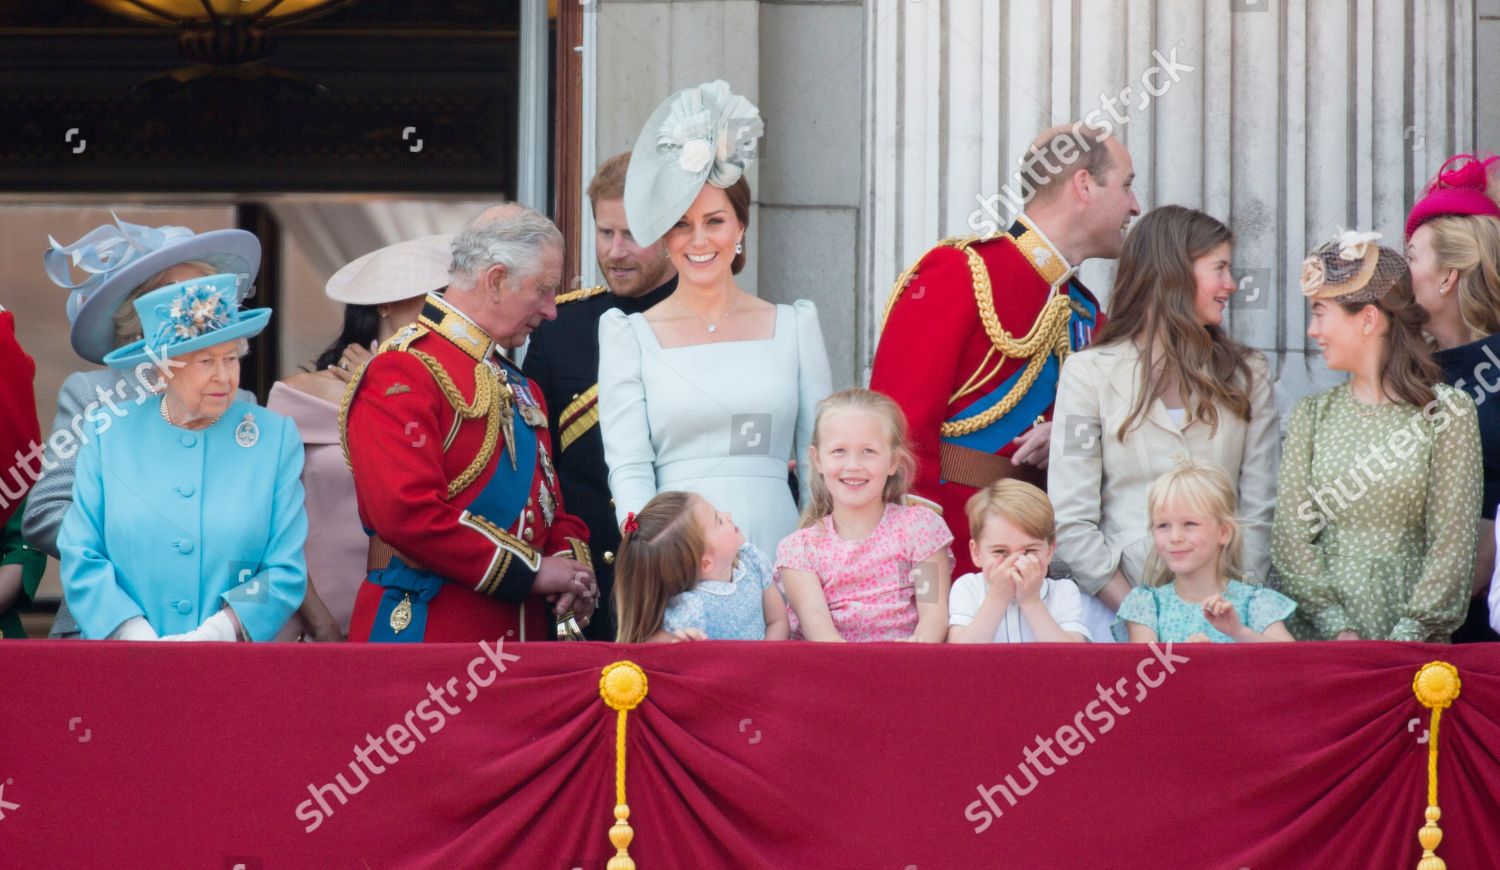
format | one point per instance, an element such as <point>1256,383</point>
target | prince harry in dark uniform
<point>563,359</point>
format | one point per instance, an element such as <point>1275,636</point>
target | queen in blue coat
<point>187,520</point>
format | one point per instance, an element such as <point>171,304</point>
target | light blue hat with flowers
<point>117,258</point>
<point>702,135</point>
<point>187,316</point>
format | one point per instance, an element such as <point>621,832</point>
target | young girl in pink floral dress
<point>865,566</point>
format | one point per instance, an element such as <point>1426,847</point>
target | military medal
<point>547,467</point>
<point>507,419</point>
<point>548,503</point>
<point>247,433</point>
<point>531,412</point>
<point>401,616</point>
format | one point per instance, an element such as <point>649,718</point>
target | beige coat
<point>1098,483</point>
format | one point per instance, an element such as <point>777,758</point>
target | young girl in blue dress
<point>684,572</point>
<point>1194,591</point>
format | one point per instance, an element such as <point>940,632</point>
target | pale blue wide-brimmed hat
<point>119,257</point>
<point>702,135</point>
<point>187,316</point>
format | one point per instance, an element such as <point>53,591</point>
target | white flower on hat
<point>696,155</point>
<point>1354,245</point>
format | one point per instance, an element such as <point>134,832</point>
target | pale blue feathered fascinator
<point>702,135</point>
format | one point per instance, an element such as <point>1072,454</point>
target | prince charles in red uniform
<point>452,460</point>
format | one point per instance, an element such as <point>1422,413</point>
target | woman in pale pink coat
<point>382,292</point>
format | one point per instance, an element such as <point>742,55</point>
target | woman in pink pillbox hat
<point>1453,249</point>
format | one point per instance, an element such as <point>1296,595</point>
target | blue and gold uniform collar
<point>456,326</point>
<point>1038,250</point>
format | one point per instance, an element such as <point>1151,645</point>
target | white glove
<point>134,628</point>
<point>218,627</point>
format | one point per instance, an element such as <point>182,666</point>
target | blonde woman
<point>1453,251</point>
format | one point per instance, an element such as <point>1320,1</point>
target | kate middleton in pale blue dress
<point>720,419</point>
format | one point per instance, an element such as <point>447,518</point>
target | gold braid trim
<point>400,341</point>
<point>1048,335</point>
<point>578,295</point>
<point>961,243</point>
<point>344,413</point>
<point>489,402</point>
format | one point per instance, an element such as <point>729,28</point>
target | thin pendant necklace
<point>712,326</point>
<point>1373,409</point>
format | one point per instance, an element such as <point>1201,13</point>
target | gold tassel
<point>1436,686</point>
<point>623,688</point>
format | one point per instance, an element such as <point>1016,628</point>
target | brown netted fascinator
<point>1351,268</point>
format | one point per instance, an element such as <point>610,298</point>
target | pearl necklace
<point>165,415</point>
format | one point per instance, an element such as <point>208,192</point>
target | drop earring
<point>739,246</point>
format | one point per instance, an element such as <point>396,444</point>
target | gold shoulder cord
<point>1048,335</point>
<point>344,414</point>
<point>489,402</point>
<point>400,341</point>
<point>961,243</point>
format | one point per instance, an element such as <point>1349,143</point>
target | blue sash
<point>504,495</point>
<point>994,437</point>
<point>401,580</point>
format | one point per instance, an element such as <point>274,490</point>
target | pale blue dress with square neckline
<point>719,419</point>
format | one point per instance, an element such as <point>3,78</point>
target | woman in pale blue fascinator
<point>713,389</point>
<point>103,272</point>
<point>197,530</point>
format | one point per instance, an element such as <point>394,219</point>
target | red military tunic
<point>973,339</point>
<point>19,431</point>
<point>429,424</point>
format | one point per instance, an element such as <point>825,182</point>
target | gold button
<point>609,558</point>
<point>530,517</point>
<point>528,534</point>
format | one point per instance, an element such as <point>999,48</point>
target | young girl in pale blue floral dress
<point>684,572</point>
<point>1193,591</point>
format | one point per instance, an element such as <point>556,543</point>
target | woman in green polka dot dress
<point>1381,476</point>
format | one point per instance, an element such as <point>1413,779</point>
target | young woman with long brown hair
<point>1378,501</point>
<point>1162,380</point>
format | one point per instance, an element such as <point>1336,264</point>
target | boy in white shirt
<point>1010,599</point>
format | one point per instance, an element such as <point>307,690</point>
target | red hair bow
<point>631,526</point>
